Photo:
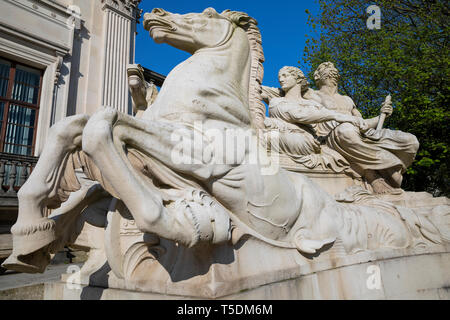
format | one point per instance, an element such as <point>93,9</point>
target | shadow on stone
<point>100,280</point>
<point>318,252</point>
<point>184,263</point>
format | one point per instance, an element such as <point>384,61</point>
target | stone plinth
<point>324,277</point>
<point>252,269</point>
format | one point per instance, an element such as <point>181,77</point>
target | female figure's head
<point>289,77</point>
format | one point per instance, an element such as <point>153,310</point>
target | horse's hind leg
<point>33,231</point>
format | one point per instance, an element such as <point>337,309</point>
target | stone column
<point>119,27</point>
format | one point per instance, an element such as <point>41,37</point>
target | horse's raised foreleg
<point>33,230</point>
<point>142,199</point>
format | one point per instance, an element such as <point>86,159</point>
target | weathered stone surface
<point>329,278</point>
<point>24,286</point>
<point>215,218</point>
<point>33,292</point>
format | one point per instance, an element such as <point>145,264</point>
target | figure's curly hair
<point>299,76</point>
<point>326,70</point>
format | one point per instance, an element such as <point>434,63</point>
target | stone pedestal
<point>280,274</point>
<point>252,269</point>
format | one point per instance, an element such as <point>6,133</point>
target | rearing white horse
<point>196,201</point>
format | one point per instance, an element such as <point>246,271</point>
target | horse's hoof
<point>30,246</point>
<point>29,238</point>
<point>35,262</point>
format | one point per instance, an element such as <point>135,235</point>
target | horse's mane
<point>256,106</point>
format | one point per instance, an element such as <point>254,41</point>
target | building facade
<point>57,58</point>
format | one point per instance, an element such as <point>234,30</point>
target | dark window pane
<point>28,75</point>
<point>3,87</point>
<point>4,75</point>
<point>26,85</point>
<point>2,108</point>
<point>4,68</point>
<point>22,150</point>
<point>21,115</point>
<point>19,130</point>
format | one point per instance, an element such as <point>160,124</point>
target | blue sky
<point>283,28</point>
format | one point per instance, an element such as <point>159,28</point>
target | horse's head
<point>190,32</point>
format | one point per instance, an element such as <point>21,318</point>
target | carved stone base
<point>133,265</point>
<point>256,271</point>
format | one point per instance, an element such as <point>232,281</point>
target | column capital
<point>127,8</point>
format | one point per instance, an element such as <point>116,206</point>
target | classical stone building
<point>57,58</point>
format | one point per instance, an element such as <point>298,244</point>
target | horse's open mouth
<point>152,23</point>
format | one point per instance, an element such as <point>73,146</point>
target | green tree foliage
<point>407,57</point>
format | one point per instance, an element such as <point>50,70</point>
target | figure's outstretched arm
<point>386,108</point>
<point>269,92</point>
<point>370,123</point>
<point>294,112</point>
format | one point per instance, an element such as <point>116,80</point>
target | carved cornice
<point>128,8</point>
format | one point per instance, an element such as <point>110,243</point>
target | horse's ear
<point>239,18</point>
<point>210,12</point>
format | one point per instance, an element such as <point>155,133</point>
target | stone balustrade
<point>14,171</point>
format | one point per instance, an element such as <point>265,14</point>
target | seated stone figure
<point>380,156</point>
<point>143,93</point>
<point>295,119</point>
